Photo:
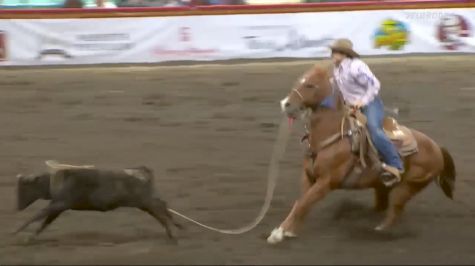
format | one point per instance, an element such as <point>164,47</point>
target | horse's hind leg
<point>381,198</point>
<point>398,197</point>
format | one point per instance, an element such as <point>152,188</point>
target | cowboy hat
<point>344,46</point>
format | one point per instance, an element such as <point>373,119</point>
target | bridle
<point>298,93</point>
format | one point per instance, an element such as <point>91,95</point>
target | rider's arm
<point>333,84</point>
<point>365,78</point>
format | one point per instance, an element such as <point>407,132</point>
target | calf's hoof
<point>28,239</point>
<point>180,226</point>
<point>173,241</point>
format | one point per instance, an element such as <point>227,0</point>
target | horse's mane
<point>338,98</point>
<point>324,70</point>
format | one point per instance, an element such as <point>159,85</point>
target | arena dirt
<point>207,131</point>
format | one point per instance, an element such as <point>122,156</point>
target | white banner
<point>206,38</point>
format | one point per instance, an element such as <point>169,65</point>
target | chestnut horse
<point>329,168</point>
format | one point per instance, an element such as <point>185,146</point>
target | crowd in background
<point>143,3</point>
<point>216,2</point>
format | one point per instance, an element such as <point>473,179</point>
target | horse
<point>332,159</point>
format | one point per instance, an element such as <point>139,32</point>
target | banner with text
<point>220,37</point>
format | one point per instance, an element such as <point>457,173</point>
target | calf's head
<point>31,188</point>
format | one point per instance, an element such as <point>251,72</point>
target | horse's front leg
<point>314,193</point>
<point>305,185</point>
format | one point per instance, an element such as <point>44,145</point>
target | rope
<point>273,174</point>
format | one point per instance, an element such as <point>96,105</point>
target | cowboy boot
<point>391,175</point>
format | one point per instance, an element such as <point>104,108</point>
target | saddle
<point>353,126</point>
<point>401,136</point>
<point>362,145</point>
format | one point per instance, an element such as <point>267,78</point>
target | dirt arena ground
<point>208,132</point>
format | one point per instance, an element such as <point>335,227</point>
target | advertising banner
<point>219,37</point>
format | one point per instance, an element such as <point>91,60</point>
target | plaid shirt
<point>356,81</point>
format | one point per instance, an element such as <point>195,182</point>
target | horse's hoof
<point>276,236</point>
<point>380,228</point>
<point>289,234</point>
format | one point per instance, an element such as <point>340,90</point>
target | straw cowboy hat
<point>344,46</point>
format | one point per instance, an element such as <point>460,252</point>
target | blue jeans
<point>328,102</point>
<point>374,112</point>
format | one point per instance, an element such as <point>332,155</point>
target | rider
<point>360,89</point>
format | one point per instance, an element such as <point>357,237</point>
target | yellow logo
<point>392,33</point>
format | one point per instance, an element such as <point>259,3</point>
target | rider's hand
<point>358,105</point>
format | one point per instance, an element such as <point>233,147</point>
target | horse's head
<point>309,91</point>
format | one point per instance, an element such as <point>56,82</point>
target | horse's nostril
<point>287,104</point>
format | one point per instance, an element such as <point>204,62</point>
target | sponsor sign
<point>182,47</point>
<point>282,38</point>
<point>3,46</point>
<point>392,34</point>
<point>220,37</point>
<point>452,31</point>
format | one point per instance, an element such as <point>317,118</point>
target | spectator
<point>73,4</point>
<point>174,3</point>
<point>263,2</point>
<point>220,2</point>
<point>152,3</point>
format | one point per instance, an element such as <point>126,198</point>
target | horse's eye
<point>309,86</point>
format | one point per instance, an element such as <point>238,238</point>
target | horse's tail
<point>446,179</point>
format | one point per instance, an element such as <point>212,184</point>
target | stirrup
<point>390,175</point>
<point>389,179</point>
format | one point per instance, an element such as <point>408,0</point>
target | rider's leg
<point>328,102</point>
<point>374,112</point>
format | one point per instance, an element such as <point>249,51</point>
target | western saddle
<point>362,146</point>
<point>400,136</point>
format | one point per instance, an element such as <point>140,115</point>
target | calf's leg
<point>155,211</point>
<point>52,208</point>
<point>161,207</point>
